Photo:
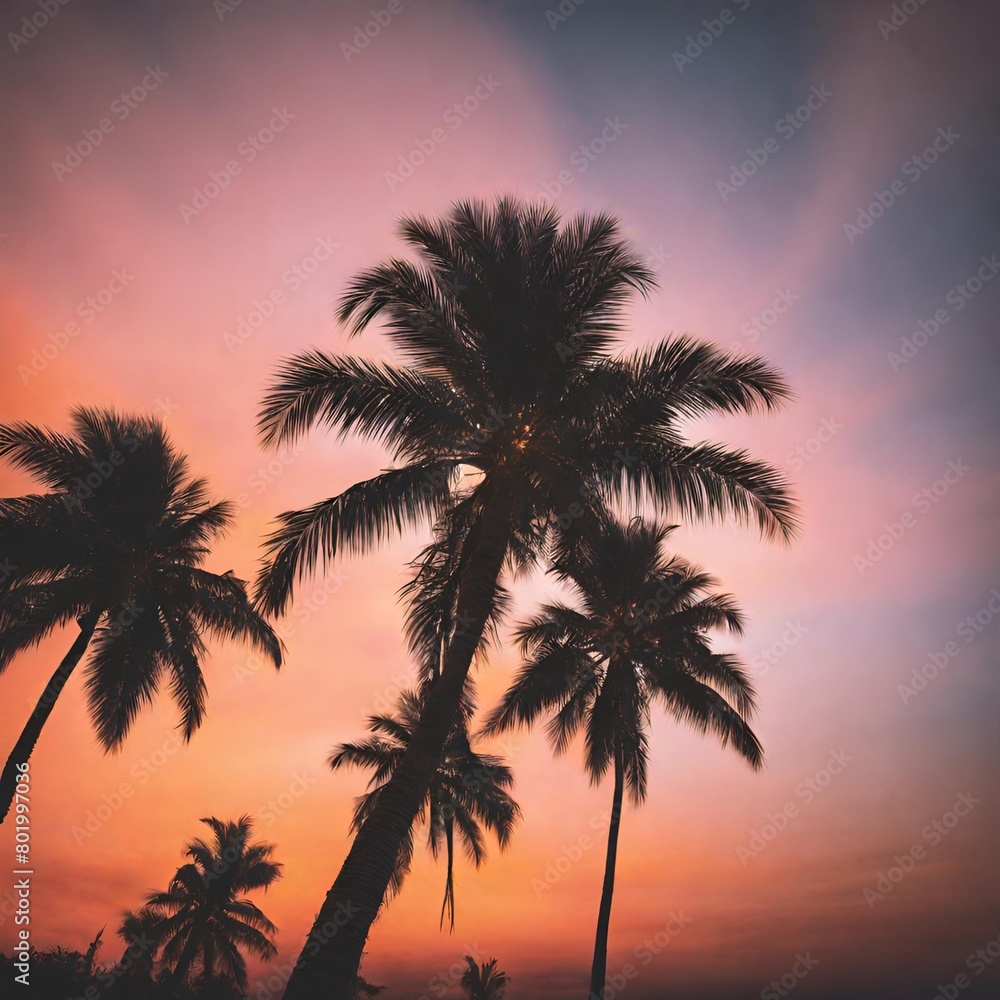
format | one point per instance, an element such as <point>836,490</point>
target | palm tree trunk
<point>327,968</point>
<point>449,885</point>
<point>180,972</point>
<point>33,727</point>
<point>599,969</point>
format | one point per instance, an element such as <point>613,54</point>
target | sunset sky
<point>260,157</point>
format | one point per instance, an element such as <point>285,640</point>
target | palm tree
<point>468,792</point>
<point>510,417</point>
<point>203,916</point>
<point>116,545</point>
<point>138,959</point>
<point>484,982</point>
<point>640,635</point>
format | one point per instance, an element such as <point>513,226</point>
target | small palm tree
<point>467,794</point>
<point>512,415</point>
<point>484,982</point>
<point>116,546</point>
<point>203,917</point>
<point>640,636</point>
<point>137,961</point>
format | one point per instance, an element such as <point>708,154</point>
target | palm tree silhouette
<point>138,959</point>
<point>203,916</point>
<point>468,792</point>
<point>510,418</point>
<point>116,546</point>
<point>484,982</point>
<point>639,636</point>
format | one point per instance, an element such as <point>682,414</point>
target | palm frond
<point>355,520</point>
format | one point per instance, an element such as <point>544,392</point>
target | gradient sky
<point>831,639</point>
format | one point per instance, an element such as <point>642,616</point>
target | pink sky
<point>160,344</point>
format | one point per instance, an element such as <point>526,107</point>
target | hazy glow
<point>187,336</point>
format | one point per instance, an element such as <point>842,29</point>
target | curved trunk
<point>327,968</point>
<point>33,727</point>
<point>598,972</point>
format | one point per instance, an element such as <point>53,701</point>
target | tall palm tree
<point>468,792</point>
<point>639,636</point>
<point>116,545</point>
<point>203,917</point>
<point>484,982</point>
<point>510,417</point>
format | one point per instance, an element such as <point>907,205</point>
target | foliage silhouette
<point>639,637</point>
<point>511,417</point>
<point>116,545</point>
<point>467,794</point>
<point>203,919</point>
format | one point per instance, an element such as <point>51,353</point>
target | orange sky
<point>165,343</point>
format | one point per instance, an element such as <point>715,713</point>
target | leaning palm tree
<point>510,417</point>
<point>641,635</point>
<point>485,981</point>
<point>203,918</point>
<point>116,546</point>
<point>467,793</point>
